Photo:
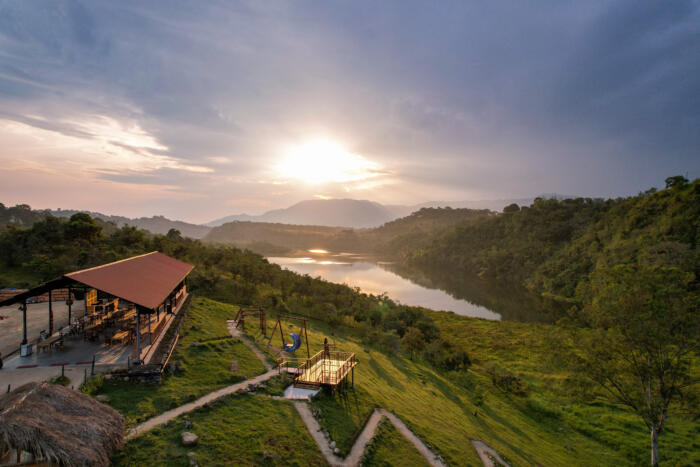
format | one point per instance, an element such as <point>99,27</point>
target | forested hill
<point>556,246</point>
<point>154,224</point>
<point>20,215</point>
<point>23,216</point>
<point>394,239</point>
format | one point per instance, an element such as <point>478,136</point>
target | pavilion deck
<point>326,368</point>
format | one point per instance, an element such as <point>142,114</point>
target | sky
<point>197,110</point>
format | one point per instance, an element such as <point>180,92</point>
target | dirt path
<point>317,434</point>
<point>251,345</point>
<point>488,455</point>
<point>212,396</point>
<point>429,455</point>
<point>363,440</point>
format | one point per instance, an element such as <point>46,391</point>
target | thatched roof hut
<point>59,425</point>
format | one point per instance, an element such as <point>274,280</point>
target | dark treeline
<point>554,247</point>
<point>54,246</point>
<point>395,238</point>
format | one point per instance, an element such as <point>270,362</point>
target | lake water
<point>377,278</point>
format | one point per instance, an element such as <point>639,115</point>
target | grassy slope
<point>236,430</point>
<point>389,447</point>
<point>203,369</point>
<point>446,410</point>
<point>345,415</point>
<point>542,427</point>
<point>530,351</point>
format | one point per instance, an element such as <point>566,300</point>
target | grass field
<point>389,448</point>
<point>344,415</point>
<point>202,367</point>
<point>548,424</point>
<point>236,430</point>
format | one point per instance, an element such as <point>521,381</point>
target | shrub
<point>445,355</point>
<point>93,386</point>
<point>506,381</point>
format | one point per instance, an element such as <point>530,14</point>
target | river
<point>377,278</point>
<point>437,289</point>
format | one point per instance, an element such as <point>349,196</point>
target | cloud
<point>446,100</point>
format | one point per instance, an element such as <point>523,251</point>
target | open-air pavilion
<point>127,307</point>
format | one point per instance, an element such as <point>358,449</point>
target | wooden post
<point>273,331</point>
<point>150,318</point>
<point>24,322</point>
<point>85,300</point>
<point>50,315</point>
<point>69,302</point>
<point>138,335</point>
<point>263,321</point>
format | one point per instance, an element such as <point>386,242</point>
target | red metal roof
<point>145,280</point>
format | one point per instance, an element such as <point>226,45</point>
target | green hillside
<point>554,245</point>
<point>451,379</point>
<point>551,420</point>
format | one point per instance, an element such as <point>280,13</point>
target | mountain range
<point>355,213</point>
<point>347,213</point>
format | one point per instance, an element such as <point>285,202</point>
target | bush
<point>506,381</point>
<point>60,380</point>
<point>93,386</point>
<point>445,355</point>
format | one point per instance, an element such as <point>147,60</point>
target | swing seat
<point>294,345</point>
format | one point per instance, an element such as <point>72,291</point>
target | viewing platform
<point>326,368</point>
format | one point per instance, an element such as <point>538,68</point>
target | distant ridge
<point>360,213</point>
<point>325,212</point>
<point>156,224</point>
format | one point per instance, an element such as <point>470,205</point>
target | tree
<point>413,340</point>
<point>83,227</point>
<point>677,181</point>
<point>174,234</point>
<point>644,332</point>
<point>511,208</point>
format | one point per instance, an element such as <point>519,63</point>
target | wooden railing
<point>348,365</point>
<point>321,368</point>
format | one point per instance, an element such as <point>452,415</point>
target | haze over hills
<point>356,213</point>
<point>155,224</point>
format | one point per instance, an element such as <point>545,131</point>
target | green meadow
<point>544,422</point>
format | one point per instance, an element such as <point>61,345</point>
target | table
<point>121,337</point>
<point>47,343</point>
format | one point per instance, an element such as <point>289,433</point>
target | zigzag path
<point>358,449</point>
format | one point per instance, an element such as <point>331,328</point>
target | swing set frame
<point>302,328</point>
<point>251,311</point>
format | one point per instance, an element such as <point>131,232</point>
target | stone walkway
<point>487,454</point>
<point>363,440</point>
<point>251,345</point>
<point>212,396</point>
<point>358,449</point>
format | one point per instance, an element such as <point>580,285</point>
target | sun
<point>323,161</point>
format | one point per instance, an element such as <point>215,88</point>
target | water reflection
<point>512,303</point>
<point>437,289</point>
<point>370,277</point>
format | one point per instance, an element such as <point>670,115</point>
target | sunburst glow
<point>323,161</point>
